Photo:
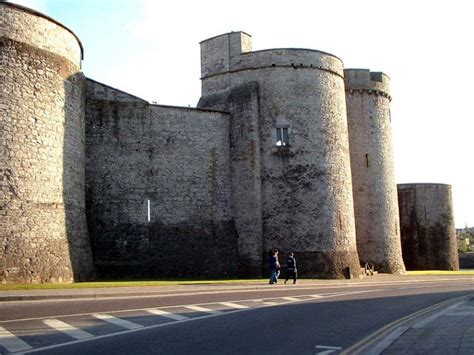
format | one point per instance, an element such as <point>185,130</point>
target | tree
<point>465,240</point>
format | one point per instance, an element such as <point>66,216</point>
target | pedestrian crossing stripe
<point>234,305</point>
<point>11,342</point>
<point>160,312</point>
<point>202,309</point>
<point>68,329</point>
<point>117,321</point>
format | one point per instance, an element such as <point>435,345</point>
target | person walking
<point>274,267</point>
<point>291,271</point>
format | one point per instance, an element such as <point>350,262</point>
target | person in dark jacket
<point>274,267</point>
<point>291,268</point>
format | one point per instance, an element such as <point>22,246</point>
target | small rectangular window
<point>282,138</point>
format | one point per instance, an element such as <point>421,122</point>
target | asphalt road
<point>302,319</point>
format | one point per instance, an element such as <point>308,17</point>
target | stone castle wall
<point>175,160</point>
<point>428,233</point>
<point>161,191</point>
<point>43,229</point>
<point>306,193</point>
<point>373,179</point>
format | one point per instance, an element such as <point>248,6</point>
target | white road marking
<point>11,342</point>
<point>425,321</point>
<point>234,305</point>
<point>160,312</point>
<point>123,332</point>
<point>270,303</point>
<point>387,341</point>
<point>67,329</point>
<point>117,321</point>
<point>136,327</point>
<point>202,309</point>
<point>328,349</point>
<point>291,299</point>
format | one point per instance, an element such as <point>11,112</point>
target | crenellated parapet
<point>231,53</point>
<point>363,81</point>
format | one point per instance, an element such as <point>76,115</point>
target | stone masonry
<point>95,181</point>
<point>373,180</point>
<point>43,230</point>
<point>303,185</point>
<point>158,188</point>
<point>427,227</point>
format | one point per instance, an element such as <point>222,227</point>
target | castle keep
<point>286,149</point>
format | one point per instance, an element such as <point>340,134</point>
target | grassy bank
<point>439,272</point>
<point>175,282</point>
<point>110,284</point>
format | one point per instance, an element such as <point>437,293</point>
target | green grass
<point>439,272</point>
<point>110,284</point>
<point>175,282</point>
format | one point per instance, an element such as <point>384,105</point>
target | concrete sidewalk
<point>443,329</point>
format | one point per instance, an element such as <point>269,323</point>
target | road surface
<point>297,319</point>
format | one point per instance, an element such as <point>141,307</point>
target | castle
<point>286,149</point>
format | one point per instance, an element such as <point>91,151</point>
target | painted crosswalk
<point>119,322</point>
<point>203,309</point>
<point>67,329</point>
<point>234,305</point>
<point>11,342</point>
<point>160,312</point>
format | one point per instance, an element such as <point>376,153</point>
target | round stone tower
<point>43,230</point>
<point>289,124</point>
<point>427,227</point>
<point>373,182</point>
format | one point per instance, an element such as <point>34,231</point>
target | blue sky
<point>151,49</point>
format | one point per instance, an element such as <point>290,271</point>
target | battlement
<point>364,80</point>
<point>232,52</point>
<point>216,52</point>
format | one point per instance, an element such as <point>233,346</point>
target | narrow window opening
<point>367,162</point>
<point>282,138</point>
<point>149,211</point>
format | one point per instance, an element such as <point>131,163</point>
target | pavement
<point>445,328</point>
